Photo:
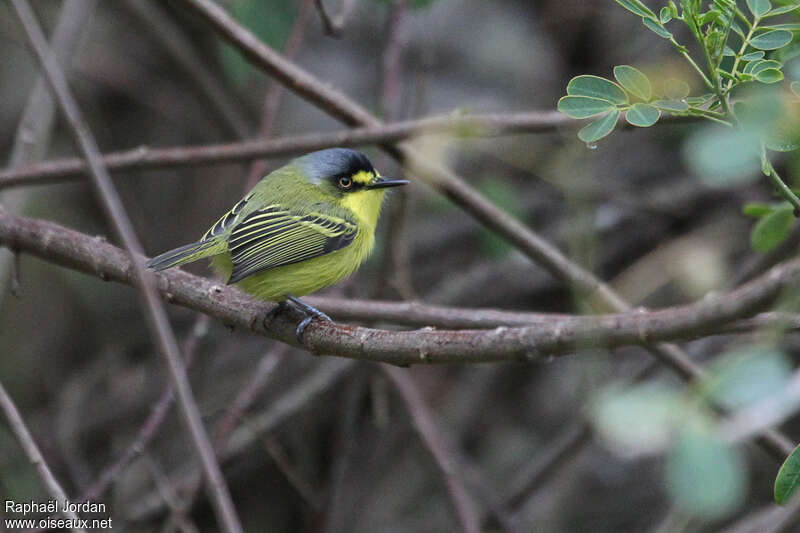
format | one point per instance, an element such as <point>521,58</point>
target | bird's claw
<point>310,312</point>
<point>301,327</point>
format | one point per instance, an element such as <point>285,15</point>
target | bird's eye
<point>345,182</point>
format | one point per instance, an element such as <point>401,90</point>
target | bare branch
<point>565,334</point>
<point>328,373</point>
<point>437,444</point>
<point>334,25</point>
<point>24,437</point>
<point>153,309</point>
<point>172,39</point>
<point>272,101</point>
<point>151,425</point>
<point>156,158</point>
<point>32,137</point>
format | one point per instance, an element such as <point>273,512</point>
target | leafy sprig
<point>740,46</point>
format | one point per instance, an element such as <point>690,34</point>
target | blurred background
<point>325,444</point>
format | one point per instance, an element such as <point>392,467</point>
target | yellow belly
<point>305,277</point>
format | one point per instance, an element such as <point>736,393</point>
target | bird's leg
<point>310,312</point>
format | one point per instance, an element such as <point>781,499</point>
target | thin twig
<point>32,137</point>
<point>249,392</point>
<point>171,38</point>
<point>153,422</point>
<point>143,158</point>
<point>334,26</point>
<point>321,379</point>
<point>438,445</point>
<point>272,101</point>
<point>153,308</point>
<point>24,437</point>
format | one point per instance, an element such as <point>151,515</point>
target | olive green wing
<point>276,236</point>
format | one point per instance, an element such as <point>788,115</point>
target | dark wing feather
<point>225,220</point>
<point>276,236</point>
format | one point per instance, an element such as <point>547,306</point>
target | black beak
<point>382,183</point>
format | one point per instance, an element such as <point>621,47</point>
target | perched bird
<point>303,227</point>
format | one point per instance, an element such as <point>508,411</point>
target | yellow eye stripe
<point>363,178</point>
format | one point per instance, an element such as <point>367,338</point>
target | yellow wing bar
<point>275,236</point>
<point>226,219</point>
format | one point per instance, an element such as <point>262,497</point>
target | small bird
<point>303,227</point>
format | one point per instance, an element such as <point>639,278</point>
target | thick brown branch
<point>563,334</point>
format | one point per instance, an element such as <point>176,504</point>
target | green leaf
<point>675,89</point>
<point>746,375</point>
<point>724,156</point>
<point>791,26</point>
<point>752,56</point>
<point>757,209</point>
<point>705,477</point>
<point>758,66</point>
<point>597,87</point>
<point>642,115</point>
<point>634,81</point>
<point>795,87</point>
<point>788,479</point>
<point>770,75</point>
<point>673,106</point>
<point>656,28</point>
<point>584,106</point>
<point>637,7</point>
<point>728,51</point>
<point>759,8</point>
<point>772,229</point>
<point>771,40</point>
<point>665,15</point>
<point>781,10</point>
<point>708,16</point>
<point>599,128</point>
<point>638,420</point>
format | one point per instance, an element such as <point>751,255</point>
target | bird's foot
<point>310,312</point>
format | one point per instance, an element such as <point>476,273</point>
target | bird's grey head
<point>331,164</point>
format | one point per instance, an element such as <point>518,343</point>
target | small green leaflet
<point>642,115</point>
<point>772,229</point>
<point>759,8</point>
<point>656,28</point>
<point>752,56</point>
<point>770,75</point>
<point>597,87</point>
<point>636,7</point>
<point>781,10</point>
<point>788,479</point>
<point>584,106</point>
<point>599,128</point>
<point>771,40</point>
<point>634,81</point>
<point>705,477</point>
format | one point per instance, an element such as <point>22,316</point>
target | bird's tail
<point>184,254</point>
